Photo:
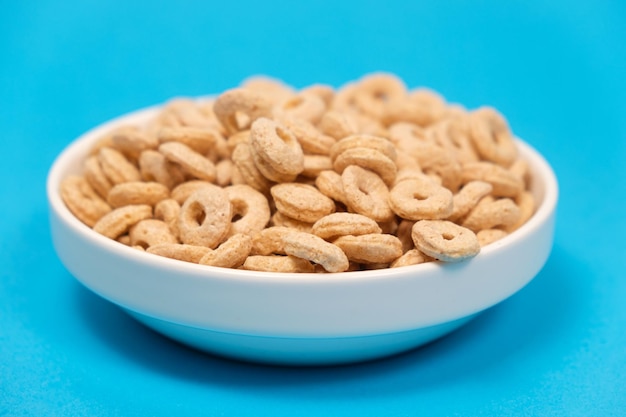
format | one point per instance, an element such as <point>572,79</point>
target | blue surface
<point>555,69</point>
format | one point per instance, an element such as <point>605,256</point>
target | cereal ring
<point>370,159</point>
<point>200,140</point>
<point>314,164</point>
<point>237,138</point>
<point>250,210</point>
<point>467,198</point>
<point>96,178</point>
<point>280,156</point>
<point>317,250</point>
<point>325,92</point>
<point>277,263</point>
<point>150,232</point>
<point>521,169</point>
<point>366,193</point>
<point>490,213</point>
<point>124,240</point>
<point>337,125</point>
<point>420,198</point>
<point>274,90</point>
<point>116,167</point>
<point>526,204</point>
<point>422,107</point>
<point>280,220</point>
<point>364,141</point>
<point>244,162</point>
<point>370,248</point>
<point>444,240</point>
<point>411,257</point>
<point>155,167</point>
<point>230,254</point>
<point>223,172</point>
<point>487,236</point>
<point>376,91</point>
<point>191,161</point>
<point>330,184</point>
<point>137,192</point>
<point>181,252</point>
<point>117,222</point>
<point>270,241</point>
<point>311,140</point>
<point>340,224</point>
<point>132,142</point>
<point>453,134</point>
<point>492,137</point>
<point>186,112</point>
<point>305,106</point>
<point>403,232</point>
<point>106,141</point>
<point>238,108</point>
<point>301,202</point>
<point>204,218</point>
<point>504,182</point>
<point>82,200</point>
<point>168,210</point>
<point>412,174</point>
<point>182,192</point>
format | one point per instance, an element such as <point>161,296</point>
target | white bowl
<point>298,319</point>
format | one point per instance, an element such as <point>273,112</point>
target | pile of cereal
<point>268,178</point>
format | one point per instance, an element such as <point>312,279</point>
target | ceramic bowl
<point>298,319</point>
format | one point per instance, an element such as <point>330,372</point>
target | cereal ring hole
<point>196,213</point>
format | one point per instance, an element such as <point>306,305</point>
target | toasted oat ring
<point>420,198</point>
<point>132,142</point>
<point>150,232</point>
<point>521,169</point>
<point>370,248</point>
<point>251,210</point>
<point>230,254</point>
<point>106,140</point>
<point>241,102</point>
<point>370,159</point>
<point>244,162</point>
<point>224,172</point>
<point>492,137</point>
<point>137,192</point>
<point>82,200</point>
<point>201,140</point>
<point>204,218</point>
<point>376,91</point>
<point>453,134</point>
<point>323,91</point>
<point>182,191</point>
<point>526,204</point>
<point>487,236</point>
<point>311,140</point>
<point>277,263</point>
<point>504,182</point>
<point>444,240</point>
<point>96,177</point>
<point>301,201</point>
<point>340,224</point>
<point>155,167</point>
<point>278,149</point>
<point>117,222</point>
<point>168,210</point>
<point>305,106</point>
<point>315,249</point>
<point>337,124</point>
<point>116,167</point>
<point>274,90</point>
<point>467,198</point>
<point>191,161</point>
<point>411,257</point>
<point>380,144</point>
<point>270,241</point>
<point>366,193</point>
<point>280,220</point>
<point>330,184</point>
<point>490,213</point>
<point>181,252</point>
<point>314,164</point>
<point>403,232</point>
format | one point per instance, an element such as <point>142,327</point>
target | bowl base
<point>300,351</point>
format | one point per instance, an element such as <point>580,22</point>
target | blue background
<point>555,69</point>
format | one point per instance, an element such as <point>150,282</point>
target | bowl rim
<point>77,149</point>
